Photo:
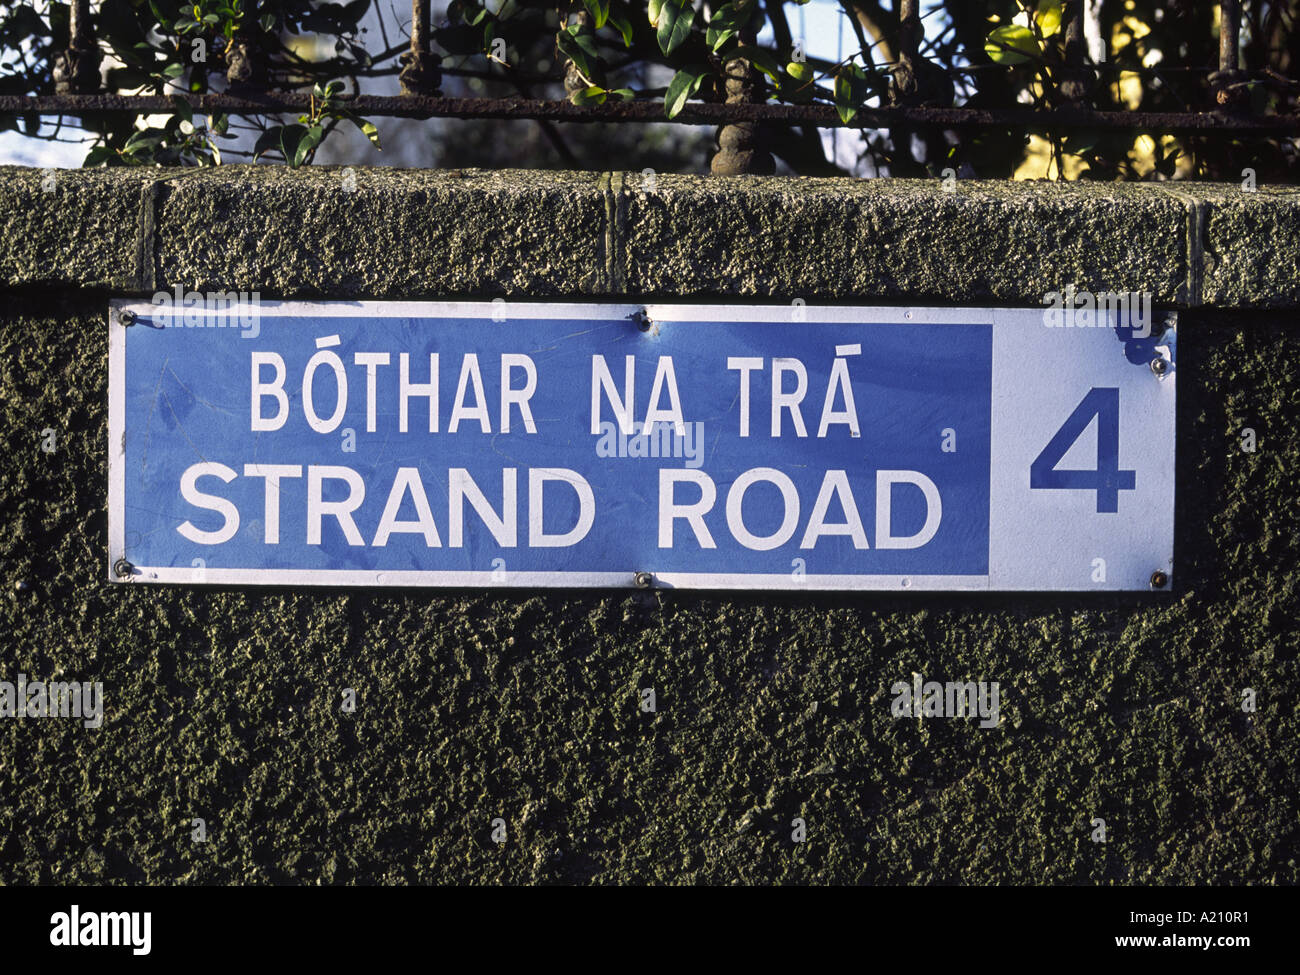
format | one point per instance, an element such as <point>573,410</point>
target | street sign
<point>676,446</point>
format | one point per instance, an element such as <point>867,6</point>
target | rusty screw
<point>644,580</point>
<point>126,318</point>
<point>122,568</point>
<point>1159,366</point>
<point>1159,580</point>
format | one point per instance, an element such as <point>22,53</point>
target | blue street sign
<point>531,444</point>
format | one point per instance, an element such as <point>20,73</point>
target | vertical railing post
<point>906,83</point>
<point>421,73</point>
<point>742,146</point>
<point>914,82</point>
<point>1076,78</point>
<point>76,69</point>
<point>1226,94</point>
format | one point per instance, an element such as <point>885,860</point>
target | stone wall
<point>222,703</point>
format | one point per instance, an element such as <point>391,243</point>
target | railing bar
<point>695,113</point>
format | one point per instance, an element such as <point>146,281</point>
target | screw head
<point>122,568</point>
<point>643,320</point>
<point>1159,365</point>
<point>644,580</point>
<point>126,318</point>
<point>1159,580</point>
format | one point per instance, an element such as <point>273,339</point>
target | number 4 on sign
<point>1107,480</point>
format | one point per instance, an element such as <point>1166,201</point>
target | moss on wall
<point>224,704</point>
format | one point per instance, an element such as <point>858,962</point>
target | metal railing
<point>77,80</point>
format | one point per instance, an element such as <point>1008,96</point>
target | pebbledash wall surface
<point>223,704</point>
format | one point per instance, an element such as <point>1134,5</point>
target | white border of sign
<point>1031,365</point>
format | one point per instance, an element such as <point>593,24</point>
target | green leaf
<point>761,58</point>
<point>368,130</point>
<point>143,143</point>
<point>579,48</point>
<point>163,21</point>
<point>309,141</point>
<point>267,23</point>
<point>599,10</point>
<point>723,26</point>
<point>1011,44</point>
<point>569,48</point>
<point>584,39</point>
<point>850,89</point>
<point>627,94</point>
<point>268,140</point>
<point>725,16</point>
<point>653,10</point>
<point>685,83</point>
<point>290,136</point>
<point>592,95</point>
<point>1048,17</point>
<point>182,108</point>
<point>715,38</point>
<point>98,156</point>
<point>1080,143</point>
<point>623,26</point>
<point>667,19</point>
<point>799,71</point>
<point>798,85</point>
<point>844,102</point>
<point>674,27</point>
